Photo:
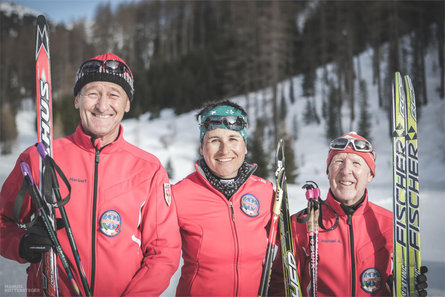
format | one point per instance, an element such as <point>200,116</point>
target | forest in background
<point>186,53</point>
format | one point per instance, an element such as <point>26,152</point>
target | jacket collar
<point>360,209</point>
<point>248,171</point>
<point>85,141</point>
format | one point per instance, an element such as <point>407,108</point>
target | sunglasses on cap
<point>359,145</point>
<point>107,66</point>
<point>236,123</point>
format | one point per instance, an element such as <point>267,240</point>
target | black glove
<point>421,281</point>
<point>35,242</point>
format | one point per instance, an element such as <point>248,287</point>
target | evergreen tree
<point>8,129</point>
<point>308,116</point>
<point>67,116</point>
<point>170,169</point>
<point>256,153</point>
<point>290,160</point>
<point>333,121</point>
<point>364,125</point>
<point>291,91</point>
<point>283,107</point>
<point>309,83</point>
<point>310,113</point>
<point>295,127</point>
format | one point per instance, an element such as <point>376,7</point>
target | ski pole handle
<point>26,171</point>
<point>313,193</point>
<point>41,149</point>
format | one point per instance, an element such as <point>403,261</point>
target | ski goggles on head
<point>113,67</point>
<point>107,66</point>
<point>224,117</point>
<point>359,145</point>
<point>236,123</point>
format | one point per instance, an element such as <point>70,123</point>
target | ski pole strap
<point>302,216</point>
<point>18,204</point>
<point>50,182</point>
<point>20,198</point>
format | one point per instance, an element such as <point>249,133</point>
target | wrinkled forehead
<point>348,156</point>
<point>102,85</point>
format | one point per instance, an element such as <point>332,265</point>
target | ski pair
<point>406,229</point>
<point>44,201</point>
<point>281,218</point>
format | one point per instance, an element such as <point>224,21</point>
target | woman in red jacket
<point>223,210</point>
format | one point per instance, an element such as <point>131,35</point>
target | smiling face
<point>224,151</point>
<point>102,106</point>
<point>348,176</point>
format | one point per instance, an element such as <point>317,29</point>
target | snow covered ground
<point>175,138</point>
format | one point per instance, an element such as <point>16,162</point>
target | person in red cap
<point>121,212</point>
<point>354,258</point>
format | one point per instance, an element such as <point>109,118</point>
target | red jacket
<point>223,241</point>
<point>140,256</point>
<point>354,260</point>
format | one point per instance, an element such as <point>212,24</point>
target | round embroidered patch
<point>371,280</point>
<point>250,205</point>
<point>110,223</point>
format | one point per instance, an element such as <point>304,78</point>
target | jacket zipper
<point>237,250</point>
<point>351,238</point>
<point>94,215</point>
<point>93,222</point>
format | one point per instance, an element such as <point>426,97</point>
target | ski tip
<point>41,19</point>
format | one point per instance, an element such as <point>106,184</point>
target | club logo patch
<point>250,205</point>
<point>110,223</point>
<point>371,280</point>
<point>167,194</point>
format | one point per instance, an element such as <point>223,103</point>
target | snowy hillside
<point>175,139</point>
<point>10,8</point>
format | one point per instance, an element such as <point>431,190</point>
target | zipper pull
<point>233,212</point>
<point>97,156</point>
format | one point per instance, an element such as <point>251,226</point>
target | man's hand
<point>421,282</point>
<point>35,242</point>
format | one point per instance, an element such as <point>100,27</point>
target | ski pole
<point>313,207</point>
<point>55,187</point>
<point>37,198</point>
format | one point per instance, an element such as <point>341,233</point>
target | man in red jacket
<point>354,259</point>
<point>121,212</point>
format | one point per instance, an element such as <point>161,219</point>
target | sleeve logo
<point>167,194</point>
